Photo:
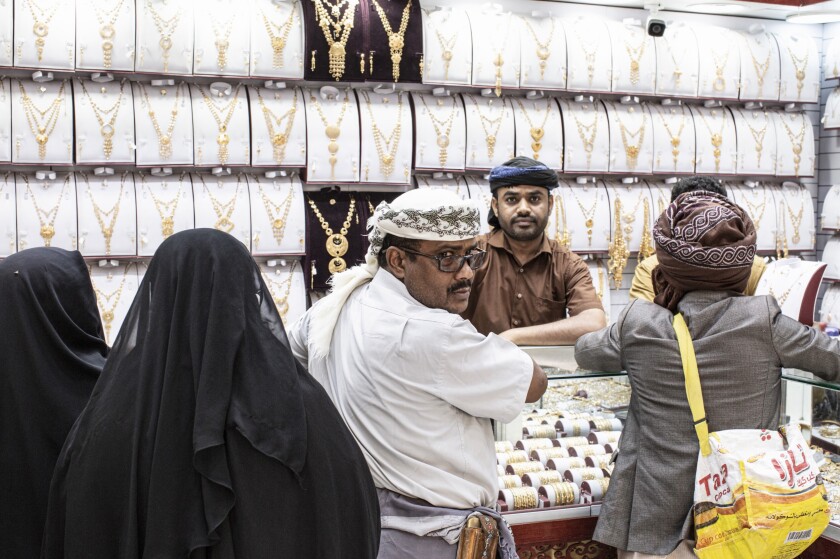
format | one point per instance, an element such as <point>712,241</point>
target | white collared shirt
<point>417,387</point>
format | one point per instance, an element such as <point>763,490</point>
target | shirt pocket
<point>548,310</point>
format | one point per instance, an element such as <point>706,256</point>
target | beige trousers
<point>683,551</point>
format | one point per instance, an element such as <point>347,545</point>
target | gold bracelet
<point>524,498</point>
<point>525,467</point>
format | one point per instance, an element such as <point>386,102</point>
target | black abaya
<point>52,351</point>
<point>204,437</point>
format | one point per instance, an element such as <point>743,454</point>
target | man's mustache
<point>460,285</point>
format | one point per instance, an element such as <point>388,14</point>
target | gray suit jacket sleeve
<point>601,350</point>
<point>802,347</point>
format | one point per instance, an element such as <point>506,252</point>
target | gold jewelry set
<point>800,64</point>
<point>590,53</point>
<point>543,47</point>
<point>107,128</point>
<point>757,133</point>
<point>100,214</point>
<point>781,298</point>
<point>333,131</point>
<point>524,498</point>
<point>278,214</point>
<point>221,31</point>
<point>386,146</point>
<point>587,134</point>
<point>222,115</point>
<point>165,28</point>
<point>107,17</point>
<point>165,208</point>
<point>447,45</point>
<point>495,124</point>
<point>336,26</point>
<point>223,210</point>
<point>41,18</point>
<point>46,218</point>
<point>677,73</point>
<point>797,139</point>
<point>716,138</point>
<point>280,39</point>
<point>106,308</point>
<point>631,151</point>
<point>396,39</point>
<point>720,61</point>
<point>337,244</point>
<point>588,214</point>
<point>676,138</point>
<point>756,210</point>
<point>760,68</point>
<point>42,122</point>
<point>164,138</point>
<point>795,217</point>
<point>536,132</point>
<point>280,291</point>
<point>619,252</point>
<point>279,140</point>
<point>563,239</point>
<point>635,54</point>
<point>443,127</point>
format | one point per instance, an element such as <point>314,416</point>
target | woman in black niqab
<point>52,350</point>
<point>204,437</point>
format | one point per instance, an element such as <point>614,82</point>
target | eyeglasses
<point>454,262</point>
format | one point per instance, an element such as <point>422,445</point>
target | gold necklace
<point>279,140</point>
<point>223,139</point>
<point>40,23</point>
<point>758,135</point>
<point>278,224</point>
<point>796,141</point>
<point>619,252</point>
<point>337,243</point>
<point>106,129</point>
<point>795,218</point>
<point>720,81</point>
<point>629,217</point>
<point>223,211</point>
<point>781,235</point>
<point>443,127</point>
<point>382,142</point>
<point>41,127</point>
<point>715,137</point>
<point>786,293</point>
<point>447,44</point>
<point>278,42</point>
<point>496,123</point>
<point>107,18</point>
<point>498,60</point>
<point>164,139</point>
<point>46,218</point>
<point>756,210</point>
<point>543,47</point>
<point>103,299</point>
<point>396,40</point>
<point>100,214</point>
<point>563,239</point>
<point>760,68</point>
<point>281,299</point>
<point>635,54</point>
<point>537,132</point>
<point>165,28</point>
<point>587,134</point>
<point>336,27</point>
<point>800,63</point>
<point>588,214</point>
<point>631,152</point>
<point>600,291</point>
<point>677,72</point>
<point>222,41</point>
<point>646,247</point>
<point>333,131</point>
<point>589,52</point>
<point>165,209</point>
<point>676,139</point>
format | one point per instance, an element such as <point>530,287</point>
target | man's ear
<point>494,205</point>
<point>550,202</point>
<point>396,262</point>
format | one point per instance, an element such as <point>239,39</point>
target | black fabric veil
<point>53,351</point>
<point>204,437</point>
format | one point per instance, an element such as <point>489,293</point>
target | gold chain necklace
<point>447,44</point>
<point>756,210</point>
<point>786,293</point>
<point>796,141</point>
<point>222,34</point>
<point>757,134</point>
<point>165,209</point>
<point>103,301</point>
<point>676,139</point>
<point>677,72</point>
<point>333,131</point>
<point>100,214</point>
<point>537,132</point>
<point>164,139</point>
<point>166,28</point>
<point>46,218</point>
<point>800,63</point>
<point>439,125</point>
<point>588,213</point>
<point>631,152</point>
<point>589,52</point>
<point>496,123</point>
<point>619,252</point>
<point>498,60</point>
<point>43,127</point>
<point>278,224</point>
<point>223,211</point>
<point>106,129</point>
<point>563,239</point>
<point>107,18</point>
<point>279,140</point>
<point>587,134</point>
<point>278,42</point>
<point>720,81</point>
<point>543,47</point>
<point>223,139</point>
<point>760,68</point>
<point>795,218</point>
<point>281,299</point>
<point>396,40</point>
<point>382,142</point>
<point>629,217</point>
<point>337,243</point>
<point>635,54</point>
<point>40,23</point>
<point>646,247</point>
<point>336,27</point>
<point>715,137</point>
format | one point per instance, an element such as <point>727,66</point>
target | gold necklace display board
<point>760,67</point>
<point>164,207</point>
<point>335,228</point>
<point>105,35</point>
<point>677,61</point>
<point>46,211</point>
<point>278,221</point>
<point>163,121</point>
<point>107,215</point>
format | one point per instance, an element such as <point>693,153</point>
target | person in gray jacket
<point>705,245</point>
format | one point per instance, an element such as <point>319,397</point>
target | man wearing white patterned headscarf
<point>416,384</point>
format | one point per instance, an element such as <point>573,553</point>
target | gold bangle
<point>524,498</point>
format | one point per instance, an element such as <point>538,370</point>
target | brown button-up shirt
<point>509,294</point>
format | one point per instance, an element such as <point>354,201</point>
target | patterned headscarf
<point>703,242</point>
<point>424,214</point>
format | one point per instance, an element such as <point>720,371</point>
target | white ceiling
<point>751,9</point>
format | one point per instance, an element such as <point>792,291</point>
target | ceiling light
<point>717,8</point>
<point>824,16</point>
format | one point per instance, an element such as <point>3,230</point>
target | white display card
<point>543,52</point>
<point>222,44</point>
<point>589,54</point>
<point>387,131</point>
<point>760,203</point>
<point>278,127</point>
<point>539,130</point>
<point>491,135</point>
<point>45,34</point>
<point>586,136</point>
<point>830,218</point>
<point>797,211</point>
<point>278,215</point>
<point>115,288</point>
<point>800,69</point>
<point>5,120</point>
<point>104,122</point>
<point>756,141</point>
<point>720,66</point>
<point>221,126</point>
<point>448,52</point>
<point>164,207</point>
<point>37,106</point>
<point>495,39</point>
<point>163,121</point>
<point>223,203</point>
<point>674,142</point>
<point>277,39</point>
<point>8,218</point>
<point>332,135</point>
<point>677,61</point>
<point>787,281</point>
<point>631,138</point>
<point>634,59</point>
<point>107,213</point>
<point>46,211</point>
<point>717,151</point>
<point>287,287</point>
<point>589,218</point>
<point>164,37</point>
<point>105,35</point>
<point>441,132</point>
<point>795,155</point>
<point>760,67</point>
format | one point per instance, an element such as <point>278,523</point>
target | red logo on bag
<point>716,480</point>
<point>765,435</point>
<point>788,468</point>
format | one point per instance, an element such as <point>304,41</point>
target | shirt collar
<point>498,239</point>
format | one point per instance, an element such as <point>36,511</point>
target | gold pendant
<point>47,233</point>
<point>224,224</point>
<point>165,147</point>
<point>337,56</point>
<point>167,227</point>
<point>337,265</point>
<point>337,245</point>
<point>720,83</point>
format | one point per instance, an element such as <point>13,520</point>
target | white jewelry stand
<point>756,134</point>
<point>172,147</point>
<point>277,275</point>
<point>387,112</point>
<point>633,200</point>
<point>5,120</point>
<point>588,208</point>
<point>176,31</point>
<point>285,110</point>
<point>56,197</point>
<point>794,283</point>
<point>674,144</point>
<point>797,209</point>
<point>586,136</point>
<point>634,59</point>
<point>56,29</point>
<point>760,67</point>
<point>543,52</point>
<point>117,99</point>
<point>830,218</point>
<point>347,143</point>
<point>589,54</point>
<point>115,198</point>
<point>830,310</point>
<point>831,256</point>
<point>794,132</point>
<point>557,228</point>
<point>677,61</point>
<point>489,121</point>
<point>831,114</point>
<point>715,126</point>
<point>760,204</point>
<point>207,133</point>
<point>105,35</point>
<point>226,191</point>
<point>269,21</point>
<point>174,208</point>
<point>441,132</point>
<point>456,185</point>
<point>107,282</point>
<point>6,28</point>
<point>444,38</point>
<point>284,199</point>
<point>660,195</point>
<point>479,189</point>
<point>59,146</point>
<point>720,66</point>
<point>495,38</point>
<point>631,133</point>
<point>831,61</point>
<point>539,125</point>
<point>800,59</point>
<point>222,38</point>
<point>601,282</point>
<point>8,219</point>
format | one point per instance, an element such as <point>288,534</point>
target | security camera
<point>655,26</point>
